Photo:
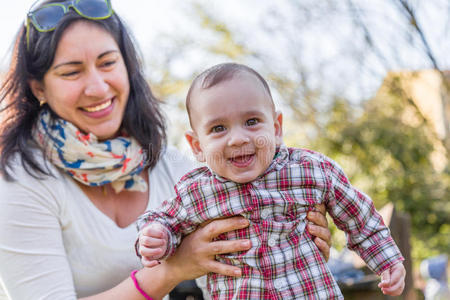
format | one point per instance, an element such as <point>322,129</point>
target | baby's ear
<point>278,124</point>
<point>194,142</point>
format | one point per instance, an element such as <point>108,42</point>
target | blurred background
<point>365,82</point>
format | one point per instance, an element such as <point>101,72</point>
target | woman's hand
<point>196,255</point>
<point>320,230</point>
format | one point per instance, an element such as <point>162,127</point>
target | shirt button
<point>288,255</point>
<point>265,213</point>
<point>278,284</point>
<point>256,183</point>
<point>272,242</point>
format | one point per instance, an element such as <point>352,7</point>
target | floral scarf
<point>117,161</point>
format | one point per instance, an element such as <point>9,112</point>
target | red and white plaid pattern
<point>284,262</point>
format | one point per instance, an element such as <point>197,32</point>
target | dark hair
<point>220,73</point>
<point>19,108</point>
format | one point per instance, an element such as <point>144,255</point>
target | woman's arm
<point>195,257</point>
<point>33,263</point>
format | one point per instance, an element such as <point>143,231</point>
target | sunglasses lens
<point>47,17</point>
<point>93,8</point>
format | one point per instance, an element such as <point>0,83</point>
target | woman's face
<point>87,83</point>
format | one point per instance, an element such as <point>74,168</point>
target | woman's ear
<point>278,124</point>
<point>37,88</point>
<point>193,141</point>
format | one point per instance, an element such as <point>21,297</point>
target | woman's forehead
<point>84,38</point>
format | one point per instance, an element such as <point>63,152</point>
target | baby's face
<point>236,129</point>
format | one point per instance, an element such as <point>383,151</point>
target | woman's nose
<point>237,138</point>
<point>96,86</point>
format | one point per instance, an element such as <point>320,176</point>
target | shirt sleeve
<point>174,217</point>
<point>33,263</point>
<point>354,213</point>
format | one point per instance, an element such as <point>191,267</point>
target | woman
<point>82,154</point>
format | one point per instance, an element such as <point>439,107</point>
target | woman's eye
<point>252,122</point>
<point>218,128</point>
<point>69,74</point>
<point>108,63</point>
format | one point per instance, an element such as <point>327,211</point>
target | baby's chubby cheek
<point>263,141</point>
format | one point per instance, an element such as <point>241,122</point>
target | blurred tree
<point>413,33</point>
<point>389,159</point>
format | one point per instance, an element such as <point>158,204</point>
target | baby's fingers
<point>393,280</point>
<point>154,230</point>
<point>151,242</point>
<point>398,273</point>
<point>385,279</point>
<point>395,290</point>
<point>152,253</point>
<point>148,263</point>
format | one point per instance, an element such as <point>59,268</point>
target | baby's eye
<point>252,122</point>
<point>218,128</point>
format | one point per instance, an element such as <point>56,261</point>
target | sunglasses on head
<point>47,17</point>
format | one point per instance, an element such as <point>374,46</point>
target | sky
<point>318,40</point>
<point>146,18</point>
<point>151,19</point>
<point>136,13</point>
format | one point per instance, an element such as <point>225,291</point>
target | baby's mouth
<point>242,160</point>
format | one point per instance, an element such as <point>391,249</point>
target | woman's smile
<point>100,110</point>
<point>102,106</point>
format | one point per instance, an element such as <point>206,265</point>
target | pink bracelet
<point>136,284</point>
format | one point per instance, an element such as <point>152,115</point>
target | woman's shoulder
<point>35,191</point>
<point>19,170</point>
<point>24,178</point>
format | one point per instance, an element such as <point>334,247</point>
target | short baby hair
<point>221,73</point>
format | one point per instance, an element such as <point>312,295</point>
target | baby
<point>237,132</point>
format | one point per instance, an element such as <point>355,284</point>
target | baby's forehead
<point>205,84</point>
<point>208,80</point>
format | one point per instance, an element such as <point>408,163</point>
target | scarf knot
<point>118,161</point>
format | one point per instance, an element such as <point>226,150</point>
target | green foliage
<point>390,160</point>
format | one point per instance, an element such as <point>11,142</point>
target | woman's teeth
<point>98,107</point>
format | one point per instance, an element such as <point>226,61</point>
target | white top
<point>56,244</point>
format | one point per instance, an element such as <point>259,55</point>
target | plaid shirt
<point>284,262</point>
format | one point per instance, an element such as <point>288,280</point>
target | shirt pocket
<point>288,222</point>
<point>285,206</point>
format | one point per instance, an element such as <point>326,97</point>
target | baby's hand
<point>393,280</point>
<point>153,241</point>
